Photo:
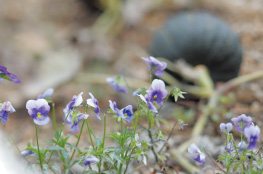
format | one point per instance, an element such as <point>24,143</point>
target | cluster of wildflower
<point>130,146</point>
<point>246,127</point>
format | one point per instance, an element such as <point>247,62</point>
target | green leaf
<point>90,172</point>
<point>54,148</point>
<point>98,142</point>
<point>65,155</point>
<point>50,141</point>
<point>117,157</point>
<point>45,167</point>
<point>108,158</point>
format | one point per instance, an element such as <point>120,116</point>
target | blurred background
<point>65,44</point>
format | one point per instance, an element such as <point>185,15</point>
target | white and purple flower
<point>117,83</point>
<point>154,65</point>
<point>226,128</point>
<point>241,146</point>
<point>125,113</point>
<point>242,122</point>
<point>27,153</point>
<point>4,74</point>
<point>200,157</point>
<point>90,160</point>
<point>252,134</point>
<point>38,110</point>
<point>150,104</point>
<point>93,102</point>
<point>76,101</point>
<point>73,120</point>
<point>47,94</point>
<point>142,158</point>
<point>156,92</point>
<point>6,107</point>
<point>229,147</point>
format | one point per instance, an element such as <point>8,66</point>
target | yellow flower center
<point>125,115</point>
<point>38,115</point>
<point>155,97</point>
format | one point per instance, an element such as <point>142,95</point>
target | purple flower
<point>76,101</point>
<point>90,160</point>
<point>4,74</point>
<point>143,159</point>
<point>200,157</point>
<point>73,120</point>
<point>155,65</point>
<point>252,134</point>
<point>150,104</point>
<point>6,107</point>
<point>181,124</point>
<point>93,102</point>
<point>156,92</point>
<point>241,146</point>
<point>117,83</point>
<point>27,153</point>
<point>125,113</point>
<point>38,110</point>
<point>47,94</point>
<point>242,122</point>
<point>226,128</point>
<point>229,147</point>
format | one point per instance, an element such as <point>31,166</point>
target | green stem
<point>87,123</point>
<point>135,126</point>
<point>54,116</point>
<point>104,130</point>
<point>251,160</point>
<point>39,154</point>
<point>78,139</point>
<point>122,145</point>
<point>63,124</point>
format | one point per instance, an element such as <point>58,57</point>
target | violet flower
<point>117,83</point>
<point>93,102</point>
<point>47,94</point>
<point>6,107</point>
<point>150,104</point>
<point>200,157</point>
<point>156,92</point>
<point>38,110</point>
<point>73,120</point>
<point>4,74</point>
<point>242,122</point>
<point>226,128</point>
<point>241,146</point>
<point>252,134</point>
<point>27,153</point>
<point>90,160</point>
<point>76,101</point>
<point>143,159</point>
<point>125,113</point>
<point>155,65</point>
<point>229,147</point>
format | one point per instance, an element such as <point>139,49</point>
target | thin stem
<point>104,130</point>
<point>40,160</point>
<point>87,123</point>
<point>122,145</point>
<point>54,116</point>
<point>135,126</point>
<point>214,162</point>
<point>78,139</point>
<point>168,137</point>
<point>63,124</point>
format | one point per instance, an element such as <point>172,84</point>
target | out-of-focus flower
<point>241,146</point>
<point>76,101</point>
<point>252,134</point>
<point>143,159</point>
<point>229,147</point>
<point>242,122</point>
<point>47,94</point>
<point>156,92</point>
<point>38,110</point>
<point>6,107</point>
<point>200,155</point>
<point>27,153</point>
<point>93,102</point>
<point>150,104</point>
<point>226,128</point>
<point>154,65</point>
<point>90,160</point>
<point>4,74</point>
<point>181,124</point>
<point>117,83</point>
<point>125,113</point>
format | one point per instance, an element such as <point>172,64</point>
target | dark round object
<point>200,38</point>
